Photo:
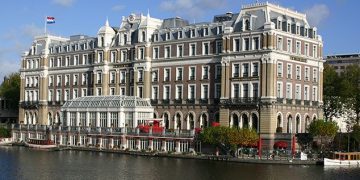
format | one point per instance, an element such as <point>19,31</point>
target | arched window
<point>191,121</point>
<point>235,121</point>
<point>245,121</point>
<point>307,122</point>
<point>298,129</point>
<point>289,124</point>
<point>178,121</point>
<point>143,35</point>
<point>166,120</point>
<point>204,120</point>
<point>255,122</point>
<point>50,119</point>
<point>279,120</point>
<point>247,24</point>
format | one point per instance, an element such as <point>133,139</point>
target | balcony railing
<point>204,101</point>
<point>243,100</point>
<point>280,100</point>
<point>297,101</point>
<point>307,103</point>
<point>192,78</point>
<point>190,101</point>
<point>154,101</point>
<point>315,103</point>
<point>288,101</point>
<point>166,101</point>
<point>178,101</point>
<point>255,74</point>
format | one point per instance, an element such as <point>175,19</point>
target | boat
<point>40,143</point>
<point>343,159</point>
<point>6,141</point>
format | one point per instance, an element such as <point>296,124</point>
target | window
<point>306,93</point>
<point>192,73</point>
<point>75,93</point>
<point>206,48</point>
<point>140,92</point>
<point>58,95</point>
<point>307,74</point>
<point>141,54</point>
<point>113,56</point>
<point>246,45</point>
<point>179,74</point>
<point>192,33</point>
<point>155,91</point>
<point>288,27</point>
<point>67,80</point>
<point>306,50</point>
<point>298,92</point>
<point>58,63</point>
<point>140,75</point>
<point>245,87</point>
<point>166,92</point>
<point>237,45</point>
<point>288,91</point>
<point>219,30</point>
<point>245,70</point>
<point>167,52</point>
<point>315,75</point>
<point>156,37</point>
<point>51,62</point>
<point>122,77</point>
<point>178,92</point>
<point>255,69</point>
<point>51,81</point>
<point>98,77</point>
<point>315,51</point>
<point>314,94</point>
<point>218,47</point>
<point>289,71</point>
<point>50,95</point>
<point>167,74</point>
<point>58,80</point>
<point>98,91</point>
<point>143,35</point>
<point>167,36</point>
<point>112,77</point>
<point>218,72</point>
<point>83,92</point>
<point>298,72</point>
<point>156,53</point>
<point>297,29</point>
<point>256,43</point>
<point>255,90</point>
<point>84,79</point>
<point>66,95</point>
<point>279,69</point>
<point>123,56</point>
<point>75,79</point>
<point>217,90</point>
<point>205,91</point>
<point>179,51</point>
<point>279,90</point>
<point>236,70</point>
<point>236,91</point>
<point>191,91</point>
<point>180,34</point>
<point>205,72</point>
<point>122,91</point>
<point>100,57</point>
<point>298,47</point>
<point>85,59</point>
<point>76,60</point>
<point>289,45</point>
<point>155,76</point>
<point>280,43</point>
<point>103,119</point>
<point>192,51</point>
<point>67,61</point>
<point>206,31</point>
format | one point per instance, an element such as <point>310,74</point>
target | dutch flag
<point>50,20</point>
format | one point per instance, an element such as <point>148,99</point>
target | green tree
<point>350,89</point>
<point>356,134</point>
<point>10,90</point>
<point>4,133</point>
<point>332,100</point>
<point>323,130</point>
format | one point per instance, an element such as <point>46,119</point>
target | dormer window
<point>314,33</point>
<point>85,46</point>
<point>206,31</point>
<point>76,47</point>
<point>219,30</point>
<point>306,32</point>
<point>279,24</point>
<point>156,37</point>
<point>288,27</point>
<point>192,33</point>
<point>180,34</point>
<point>297,29</point>
<point>247,25</point>
<point>167,36</point>
<point>125,38</point>
<point>143,35</point>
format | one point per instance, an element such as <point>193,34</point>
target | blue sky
<point>21,20</point>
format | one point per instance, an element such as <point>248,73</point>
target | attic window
<point>297,29</point>
<point>180,35</point>
<point>219,29</point>
<point>247,25</point>
<point>125,38</point>
<point>143,36</point>
<point>168,36</point>
<point>279,24</point>
<point>288,27</point>
<point>206,31</point>
<point>156,37</point>
<point>192,33</point>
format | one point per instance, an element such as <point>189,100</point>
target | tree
<point>350,88</point>
<point>323,130</point>
<point>4,133</point>
<point>332,100</point>
<point>356,134</point>
<point>10,90</point>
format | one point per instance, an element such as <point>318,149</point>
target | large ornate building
<point>260,68</point>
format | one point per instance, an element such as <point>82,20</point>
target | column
<point>67,118</point>
<point>151,144</point>
<point>87,121</point>
<point>42,95</point>
<point>147,82</point>
<point>22,97</point>
<point>77,119</point>
<point>97,124</point>
<point>111,143</point>
<point>108,121</point>
<point>177,146</point>
<point>135,81</point>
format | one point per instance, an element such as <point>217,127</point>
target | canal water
<point>24,163</point>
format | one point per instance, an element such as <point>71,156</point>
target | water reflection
<point>23,163</point>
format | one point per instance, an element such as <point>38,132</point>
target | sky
<point>20,20</point>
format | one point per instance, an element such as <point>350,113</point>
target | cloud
<point>317,14</point>
<point>31,30</point>
<point>65,3</point>
<point>118,7</point>
<point>191,8</point>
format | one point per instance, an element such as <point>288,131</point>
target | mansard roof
<point>107,102</point>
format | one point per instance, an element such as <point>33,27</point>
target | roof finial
<point>107,22</point>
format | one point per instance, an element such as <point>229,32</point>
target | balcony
<point>240,101</point>
<point>307,103</point>
<point>245,75</point>
<point>166,101</point>
<point>204,101</point>
<point>178,101</point>
<point>255,74</point>
<point>288,101</point>
<point>190,101</point>
<point>315,103</point>
<point>297,101</point>
<point>154,101</point>
<point>30,104</point>
<point>236,75</point>
<point>280,100</point>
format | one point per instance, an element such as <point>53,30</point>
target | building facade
<point>341,61</point>
<point>260,68</point>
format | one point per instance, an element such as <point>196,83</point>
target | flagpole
<point>45,26</point>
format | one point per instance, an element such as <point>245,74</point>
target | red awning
<point>281,144</point>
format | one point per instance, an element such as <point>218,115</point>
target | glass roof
<point>107,101</point>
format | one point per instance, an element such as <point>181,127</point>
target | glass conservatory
<point>106,111</point>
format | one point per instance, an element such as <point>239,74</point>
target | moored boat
<point>343,159</point>
<point>6,141</point>
<point>40,143</point>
